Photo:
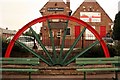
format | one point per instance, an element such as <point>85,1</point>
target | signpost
<point>56,9</point>
<point>90,16</point>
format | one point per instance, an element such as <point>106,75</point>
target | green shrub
<point>4,46</point>
<point>97,51</point>
<point>15,48</point>
<point>117,47</point>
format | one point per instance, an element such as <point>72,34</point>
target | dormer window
<point>83,7</point>
<point>90,8</point>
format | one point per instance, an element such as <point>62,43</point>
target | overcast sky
<point>14,14</point>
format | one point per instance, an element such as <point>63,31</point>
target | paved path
<point>60,77</point>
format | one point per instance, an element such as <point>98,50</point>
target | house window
<point>58,34</point>
<point>68,31</point>
<point>89,35</point>
<point>52,34</point>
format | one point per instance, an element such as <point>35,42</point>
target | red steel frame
<point>42,19</point>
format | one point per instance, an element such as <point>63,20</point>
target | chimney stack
<point>68,3</point>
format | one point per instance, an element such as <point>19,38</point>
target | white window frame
<point>89,35</point>
<point>59,34</point>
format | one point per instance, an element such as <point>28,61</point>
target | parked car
<point>27,40</point>
<point>108,40</point>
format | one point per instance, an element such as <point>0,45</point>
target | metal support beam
<point>40,43</point>
<point>85,75</point>
<point>73,45</point>
<point>29,75</point>
<point>34,53</point>
<point>81,53</point>
<point>52,42</point>
<point>63,41</point>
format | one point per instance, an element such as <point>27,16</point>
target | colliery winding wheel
<point>54,56</point>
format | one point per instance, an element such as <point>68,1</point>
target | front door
<point>102,31</point>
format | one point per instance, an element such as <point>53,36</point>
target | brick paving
<point>59,77</point>
<point>57,73</point>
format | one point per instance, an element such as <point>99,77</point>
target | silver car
<point>27,40</point>
<point>108,40</point>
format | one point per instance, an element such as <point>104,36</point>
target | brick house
<point>89,11</point>
<point>53,7</point>
<point>93,14</point>
<point>7,33</point>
